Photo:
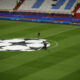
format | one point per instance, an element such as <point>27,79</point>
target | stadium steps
<point>59,4</point>
<point>70,4</point>
<point>18,5</point>
<point>7,4</point>
<point>38,3</point>
<point>76,9</point>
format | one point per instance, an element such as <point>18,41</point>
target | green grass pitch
<point>61,61</point>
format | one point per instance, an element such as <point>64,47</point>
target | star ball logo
<point>22,44</point>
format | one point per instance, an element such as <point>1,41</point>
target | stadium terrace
<point>47,11</point>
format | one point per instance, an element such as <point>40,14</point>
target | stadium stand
<point>48,5</point>
<point>78,10</point>
<point>38,4</point>
<point>27,5</point>
<point>59,4</point>
<point>39,10</point>
<point>70,4</point>
<point>19,3</point>
<point>7,4</point>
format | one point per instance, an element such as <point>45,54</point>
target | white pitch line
<point>60,33</point>
<point>63,31</point>
<point>54,42</point>
<point>66,31</point>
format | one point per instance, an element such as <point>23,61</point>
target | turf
<point>61,61</point>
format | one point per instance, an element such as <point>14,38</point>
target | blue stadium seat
<point>70,4</point>
<point>38,4</point>
<point>59,4</point>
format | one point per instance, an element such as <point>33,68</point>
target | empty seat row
<point>38,3</point>
<point>58,4</point>
<point>70,4</point>
<point>7,4</point>
<point>41,5</point>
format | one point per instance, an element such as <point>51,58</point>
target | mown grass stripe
<point>73,76</point>
<point>62,45</point>
<point>42,27</point>
<point>38,65</point>
<point>64,34</point>
<point>6,54</point>
<point>10,62</point>
<point>17,29</point>
<point>57,71</point>
<point>24,65</point>
<point>24,31</point>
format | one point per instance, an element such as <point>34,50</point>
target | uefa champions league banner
<point>40,18</point>
<point>35,20</point>
<point>41,21</point>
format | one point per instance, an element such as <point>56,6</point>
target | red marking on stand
<point>18,5</point>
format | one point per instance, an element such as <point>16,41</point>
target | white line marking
<point>63,31</point>
<point>60,33</point>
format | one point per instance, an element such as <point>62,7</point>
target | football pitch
<point>61,60</point>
